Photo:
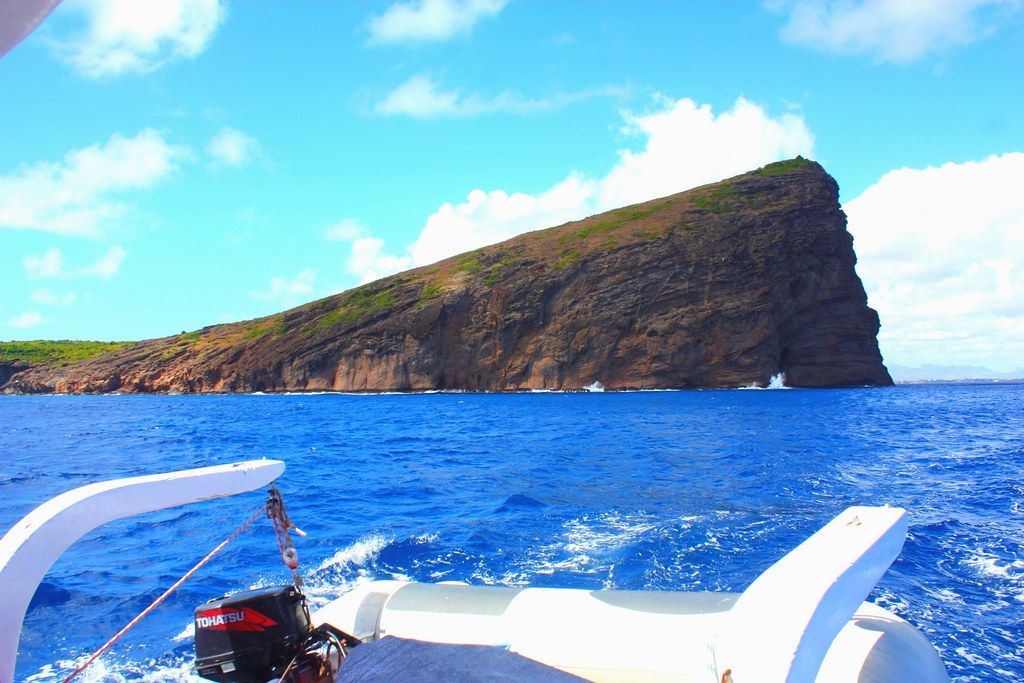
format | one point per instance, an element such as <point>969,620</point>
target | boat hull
<point>615,635</point>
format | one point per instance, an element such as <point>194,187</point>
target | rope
<point>282,523</point>
<point>156,603</point>
<point>324,640</point>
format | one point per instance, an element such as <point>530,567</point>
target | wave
<point>356,554</point>
<point>105,670</point>
<point>518,501</point>
<point>776,382</point>
<point>187,633</point>
<point>586,545</point>
<point>988,564</point>
<point>370,558</point>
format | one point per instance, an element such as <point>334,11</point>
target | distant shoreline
<point>977,380</point>
<point>905,383</point>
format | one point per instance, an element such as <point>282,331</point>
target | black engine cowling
<point>252,635</point>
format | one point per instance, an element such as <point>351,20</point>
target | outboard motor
<point>266,633</point>
<point>252,635</point>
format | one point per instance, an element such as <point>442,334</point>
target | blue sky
<point>179,163</point>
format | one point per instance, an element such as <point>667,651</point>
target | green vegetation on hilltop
<point>783,167</point>
<point>63,352</point>
<point>366,303</point>
<point>497,271</point>
<point>617,219</point>
<point>469,263</point>
<point>568,257</point>
<point>430,290</point>
<point>276,327</point>
<point>357,304</point>
<point>718,199</point>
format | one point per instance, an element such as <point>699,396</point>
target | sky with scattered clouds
<point>176,163</point>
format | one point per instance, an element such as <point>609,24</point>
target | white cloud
<point>422,98</point>
<point>890,30</point>
<point>76,196</point>
<point>25,320</point>
<point>940,251</point>
<point>345,230</point>
<point>285,291</point>
<point>128,36</point>
<point>489,217</point>
<point>420,21</point>
<point>232,147</point>
<point>366,259</point>
<point>50,265</point>
<point>368,262</point>
<point>684,144</point>
<point>47,297</point>
<point>108,264</point>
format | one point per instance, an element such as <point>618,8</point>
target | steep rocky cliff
<point>724,285</point>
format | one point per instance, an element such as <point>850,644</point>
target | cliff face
<point>724,285</point>
<point>10,369</point>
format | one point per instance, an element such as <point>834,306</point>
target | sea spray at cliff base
<point>653,490</point>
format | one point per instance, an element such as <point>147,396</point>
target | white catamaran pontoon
<point>804,619</point>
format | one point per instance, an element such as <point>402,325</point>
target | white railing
<point>32,545</point>
<point>782,626</point>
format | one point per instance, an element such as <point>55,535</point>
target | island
<point>724,285</point>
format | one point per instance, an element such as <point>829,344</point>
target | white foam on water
<point>892,602</point>
<point>776,382</point>
<point>608,532</point>
<point>582,546</point>
<point>321,592</point>
<point>104,670</point>
<point>945,595</point>
<point>346,569</point>
<point>973,657</point>
<point>45,673</point>
<point>581,563</point>
<point>988,564</point>
<point>187,633</point>
<point>358,553</point>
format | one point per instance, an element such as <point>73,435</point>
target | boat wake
<point>370,558</point>
<point>104,670</point>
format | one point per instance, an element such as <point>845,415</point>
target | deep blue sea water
<point>661,490</point>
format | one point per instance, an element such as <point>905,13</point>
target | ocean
<point>687,490</point>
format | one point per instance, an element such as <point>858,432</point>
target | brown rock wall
<point>721,286</point>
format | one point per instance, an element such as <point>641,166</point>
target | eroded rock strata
<point>724,285</point>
